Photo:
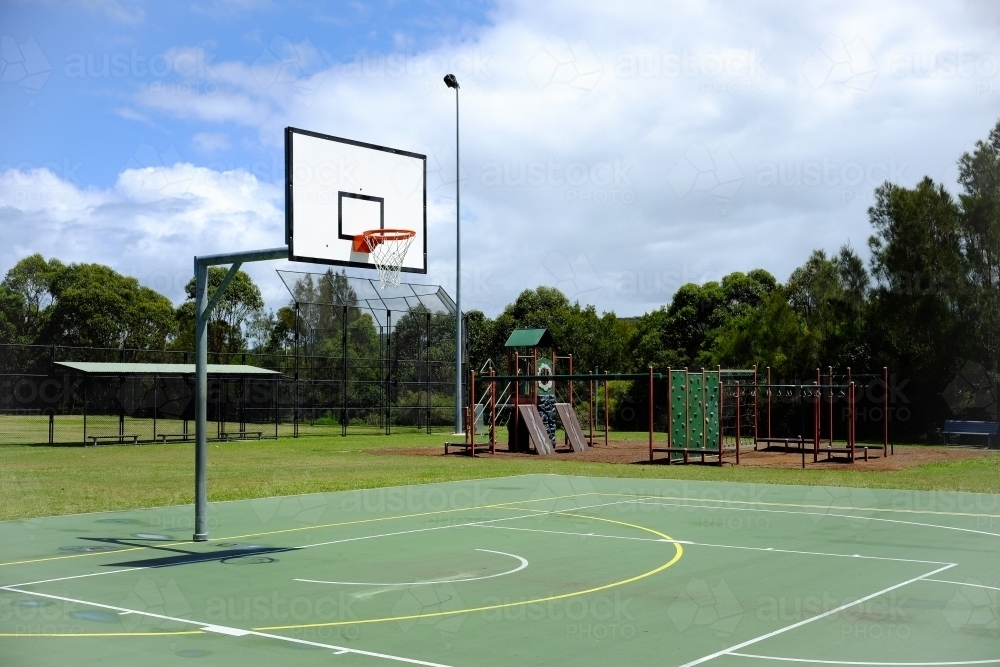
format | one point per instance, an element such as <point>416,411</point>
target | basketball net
<point>388,249</point>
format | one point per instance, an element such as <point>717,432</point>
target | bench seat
<point>962,427</point>
<point>120,439</point>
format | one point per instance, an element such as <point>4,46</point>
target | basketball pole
<point>203,312</point>
<point>452,82</point>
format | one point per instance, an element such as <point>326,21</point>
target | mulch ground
<point>637,452</point>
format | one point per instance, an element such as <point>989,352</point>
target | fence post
<point>295,386</point>
<point>472,411</point>
<point>769,403</point>
<point>885,410</point>
<point>427,361</point>
<point>738,416</point>
<point>343,374</point>
<point>388,374</point>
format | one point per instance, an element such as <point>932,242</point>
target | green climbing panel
<point>694,410</point>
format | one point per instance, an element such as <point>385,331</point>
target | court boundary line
<point>960,583</point>
<point>811,619</point>
<point>227,630</point>
<point>723,546</point>
<point>844,516</point>
<point>992,661</point>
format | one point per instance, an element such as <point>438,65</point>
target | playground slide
<point>536,431</point>
<point>572,427</point>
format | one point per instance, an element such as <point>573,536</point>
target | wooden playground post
<point>885,411</point>
<point>718,369</point>
<point>670,423</point>
<point>607,416</point>
<point>517,391</point>
<point>571,382</point>
<point>829,370</point>
<point>687,409</point>
<point>534,371</point>
<point>651,404</point>
<point>591,410</point>
<point>493,412</point>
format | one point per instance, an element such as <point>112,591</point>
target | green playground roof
<point>102,368</point>
<point>529,338</point>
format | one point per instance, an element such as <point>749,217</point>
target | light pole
<point>452,82</point>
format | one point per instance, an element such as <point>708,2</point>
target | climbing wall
<point>694,410</point>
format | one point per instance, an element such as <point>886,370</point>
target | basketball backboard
<point>336,189</point>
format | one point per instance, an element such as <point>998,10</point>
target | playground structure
<point>705,415</point>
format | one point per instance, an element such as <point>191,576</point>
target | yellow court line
<point>678,552</point>
<point>28,635</point>
<point>301,528</point>
<point>825,507</point>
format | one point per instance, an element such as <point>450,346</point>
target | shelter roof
<point>103,368</point>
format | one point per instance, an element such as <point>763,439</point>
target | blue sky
<point>102,54</point>
<point>613,150</point>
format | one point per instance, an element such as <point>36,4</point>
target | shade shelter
<point>147,402</point>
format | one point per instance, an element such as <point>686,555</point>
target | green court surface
<point>533,569</point>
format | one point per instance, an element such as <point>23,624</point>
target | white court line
<point>81,576</point>
<point>564,532</point>
<point>536,513</point>
<point>817,617</point>
<point>882,664</point>
<point>226,630</point>
<point>959,583</point>
<point>721,546</point>
<point>524,564</point>
<point>843,516</point>
<point>400,532</point>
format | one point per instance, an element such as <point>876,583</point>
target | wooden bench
<point>242,435</point>
<point>959,427</point>
<point>120,439</point>
<point>163,437</point>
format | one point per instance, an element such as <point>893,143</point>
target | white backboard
<point>335,189</point>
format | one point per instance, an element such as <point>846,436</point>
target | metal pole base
<point>200,537</point>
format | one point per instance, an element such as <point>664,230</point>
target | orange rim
<point>389,234</point>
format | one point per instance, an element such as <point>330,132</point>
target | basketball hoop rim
<point>389,234</point>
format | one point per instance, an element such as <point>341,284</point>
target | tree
<point>28,287</point>
<point>94,306</point>
<point>979,232</point>
<point>239,306</point>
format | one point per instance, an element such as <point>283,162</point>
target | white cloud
<point>149,225</point>
<point>210,142</point>
<point>654,143</point>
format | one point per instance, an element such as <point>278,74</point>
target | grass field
<point>45,481</point>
